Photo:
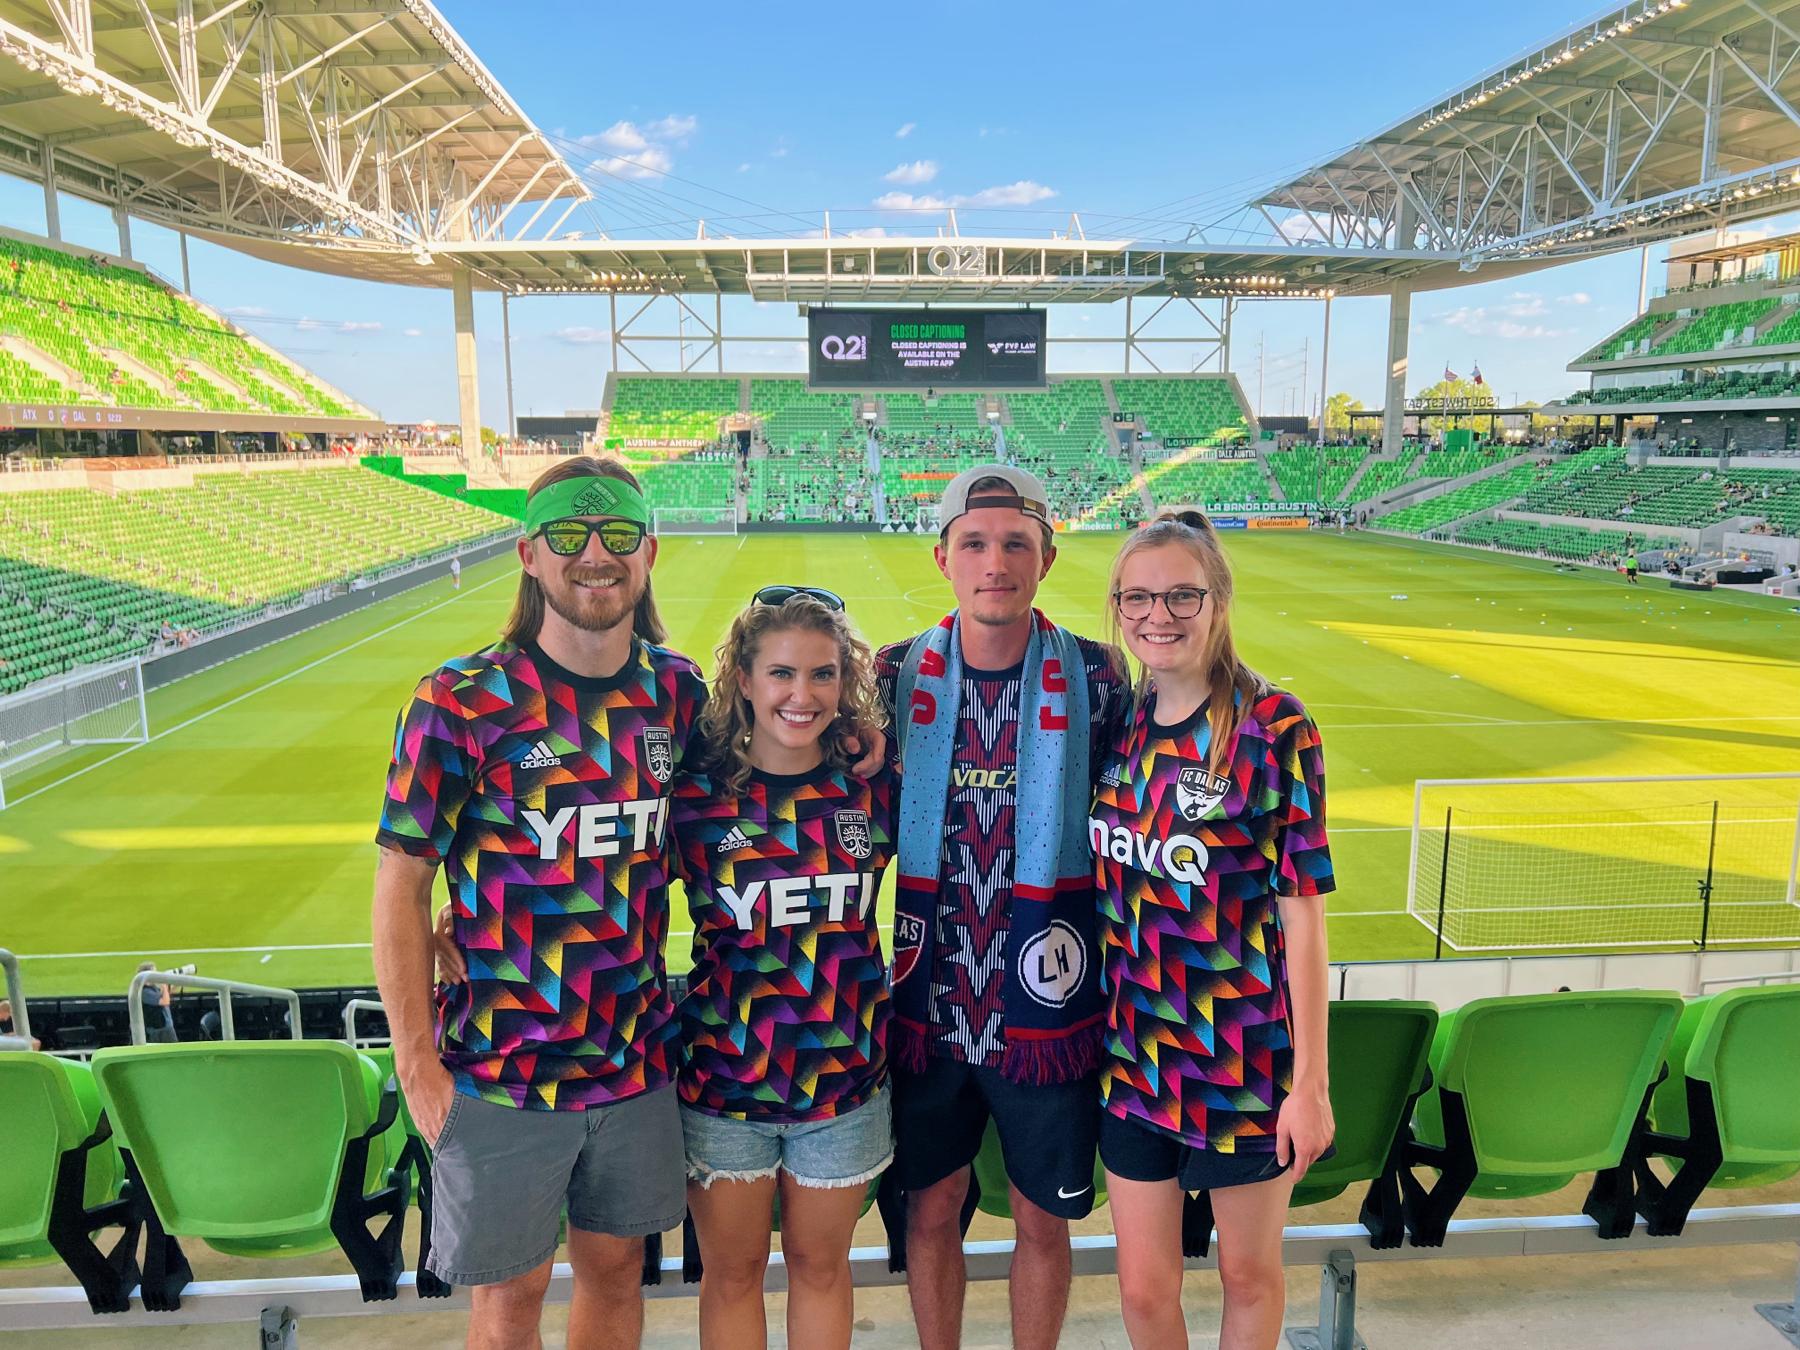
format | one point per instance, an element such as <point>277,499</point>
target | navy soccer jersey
<point>787,1007</point>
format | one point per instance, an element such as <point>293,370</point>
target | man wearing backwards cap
<point>537,773</point>
<point>1000,716</point>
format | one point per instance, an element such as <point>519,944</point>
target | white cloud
<point>906,129</point>
<point>1022,193</point>
<point>415,332</point>
<point>866,232</point>
<point>911,175</point>
<point>581,336</point>
<point>1507,322</point>
<point>360,326</point>
<point>309,325</point>
<point>744,168</point>
<point>906,201</point>
<point>249,311</point>
<point>633,151</point>
<point>674,127</point>
<point>1575,298</point>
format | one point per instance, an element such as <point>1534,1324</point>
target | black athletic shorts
<point>1047,1133</point>
<point>1141,1152</point>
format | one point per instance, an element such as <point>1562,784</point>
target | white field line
<point>261,688</point>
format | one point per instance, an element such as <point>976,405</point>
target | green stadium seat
<point>1377,1050</point>
<point>60,1176</point>
<point>1530,1092</point>
<point>1726,1112</point>
<point>414,1153</point>
<point>261,1149</point>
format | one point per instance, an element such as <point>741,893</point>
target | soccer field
<point>240,836</point>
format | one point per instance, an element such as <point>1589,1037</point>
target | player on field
<point>538,774</point>
<point>1209,834</point>
<point>783,1079</point>
<point>998,714</point>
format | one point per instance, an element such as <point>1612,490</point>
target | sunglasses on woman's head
<point>780,595</point>
<point>567,538</point>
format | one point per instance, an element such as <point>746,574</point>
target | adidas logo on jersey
<point>734,840</point>
<point>541,757</point>
<point>1109,776</point>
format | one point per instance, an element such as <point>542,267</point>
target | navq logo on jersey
<point>601,828</point>
<point>853,833</point>
<point>1180,857</point>
<point>659,753</point>
<point>1197,791</point>
<point>792,901</point>
<point>1052,963</point>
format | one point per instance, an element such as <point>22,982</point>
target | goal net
<point>695,520</point>
<point>101,705</point>
<point>1528,864</point>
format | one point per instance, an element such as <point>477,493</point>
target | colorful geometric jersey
<point>976,872</point>
<point>1190,864</point>
<point>545,794</point>
<point>786,1012</point>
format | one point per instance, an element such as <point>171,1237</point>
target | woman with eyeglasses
<point>1209,835</point>
<point>783,1080</point>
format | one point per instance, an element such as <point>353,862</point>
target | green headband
<point>585,496</point>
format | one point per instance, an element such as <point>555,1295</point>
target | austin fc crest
<point>659,753</point>
<point>853,833</point>
<point>1197,791</point>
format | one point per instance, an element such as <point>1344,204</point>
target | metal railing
<point>176,979</point>
<point>351,1009</point>
<point>15,993</point>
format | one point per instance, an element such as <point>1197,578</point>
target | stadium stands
<point>1740,385</point>
<point>1716,327</point>
<point>1308,473</point>
<point>1484,493</point>
<point>1566,543</point>
<point>686,483</point>
<point>794,420</point>
<point>90,576</point>
<point>1060,435</point>
<point>81,330</point>
<point>1189,477</point>
<point>681,408</point>
<point>1194,410</point>
<point>1610,488</point>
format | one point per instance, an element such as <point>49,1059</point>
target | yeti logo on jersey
<point>659,753</point>
<point>1052,963</point>
<point>1197,792</point>
<point>853,833</point>
<point>909,939</point>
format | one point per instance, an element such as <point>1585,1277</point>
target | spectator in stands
<point>159,1017</point>
<point>999,715</point>
<point>6,1023</point>
<point>1210,828</point>
<point>545,1095</point>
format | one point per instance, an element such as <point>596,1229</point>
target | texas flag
<point>1476,377</point>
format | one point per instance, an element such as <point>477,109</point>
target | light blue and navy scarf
<point>1052,997</point>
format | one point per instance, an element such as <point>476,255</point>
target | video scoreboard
<point>926,348</point>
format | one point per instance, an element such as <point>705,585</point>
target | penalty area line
<point>261,688</point>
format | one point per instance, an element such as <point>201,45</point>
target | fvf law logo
<point>1052,963</point>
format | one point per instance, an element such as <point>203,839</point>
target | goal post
<point>1536,864</point>
<point>99,705</point>
<point>695,520</point>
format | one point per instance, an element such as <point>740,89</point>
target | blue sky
<point>1022,113</point>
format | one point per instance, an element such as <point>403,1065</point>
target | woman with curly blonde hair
<point>783,1081</point>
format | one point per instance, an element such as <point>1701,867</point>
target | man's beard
<point>593,611</point>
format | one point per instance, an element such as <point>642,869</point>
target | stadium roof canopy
<point>363,137</point>
<point>367,125</point>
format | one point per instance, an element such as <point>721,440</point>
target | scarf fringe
<point>907,1044</point>
<point>1042,1060</point>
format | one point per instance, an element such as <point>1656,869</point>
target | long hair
<point>727,719</point>
<point>1228,676</point>
<point>527,615</point>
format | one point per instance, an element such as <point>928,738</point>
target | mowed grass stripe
<point>1544,674</point>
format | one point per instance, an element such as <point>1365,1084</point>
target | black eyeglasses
<point>567,538</point>
<point>1182,602</point>
<point>780,595</point>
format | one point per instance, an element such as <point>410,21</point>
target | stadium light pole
<point>512,422</point>
<point>1324,367</point>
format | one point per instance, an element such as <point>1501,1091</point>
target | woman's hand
<point>451,968</point>
<point>1304,1129</point>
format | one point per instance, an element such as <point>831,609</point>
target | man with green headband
<point>537,775</point>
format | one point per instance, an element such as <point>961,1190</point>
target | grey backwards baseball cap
<point>1023,491</point>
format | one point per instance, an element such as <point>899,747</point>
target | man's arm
<point>403,954</point>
